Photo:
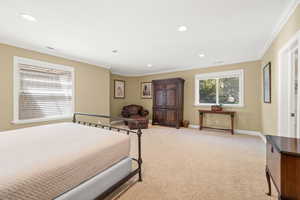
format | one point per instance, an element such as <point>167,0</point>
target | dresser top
<point>217,112</point>
<point>285,145</point>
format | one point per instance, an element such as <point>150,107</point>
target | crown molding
<point>51,53</point>
<point>185,69</point>
<point>280,24</point>
<point>72,58</point>
<point>278,27</point>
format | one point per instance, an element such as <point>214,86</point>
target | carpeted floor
<point>188,164</point>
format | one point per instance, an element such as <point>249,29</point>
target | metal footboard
<point>138,132</point>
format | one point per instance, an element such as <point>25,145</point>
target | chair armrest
<point>144,113</point>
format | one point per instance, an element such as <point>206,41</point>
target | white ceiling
<point>144,31</point>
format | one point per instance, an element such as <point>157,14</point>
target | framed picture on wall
<point>267,83</point>
<point>119,89</point>
<point>146,90</point>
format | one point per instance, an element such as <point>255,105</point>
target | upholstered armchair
<point>132,111</point>
<point>136,112</point>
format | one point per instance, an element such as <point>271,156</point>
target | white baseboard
<point>116,122</point>
<point>238,131</point>
<point>121,121</point>
<point>254,133</point>
<point>193,126</point>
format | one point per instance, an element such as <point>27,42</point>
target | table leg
<point>201,120</point>
<point>269,181</point>
<point>232,123</point>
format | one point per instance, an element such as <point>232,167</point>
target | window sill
<point>226,106</point>
<point>28,121</point>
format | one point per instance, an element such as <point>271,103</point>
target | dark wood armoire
<point>168,102</point>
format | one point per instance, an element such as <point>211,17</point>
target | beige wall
<point>248,117</point>
<point>94,95</point>
<point>91,84</point>
<point>131,93</point>
<point>270,111</point>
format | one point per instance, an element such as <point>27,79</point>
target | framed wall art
<point>146,90</point>
<point>119,89</point>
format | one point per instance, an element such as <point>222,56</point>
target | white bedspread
<point>43,162</point>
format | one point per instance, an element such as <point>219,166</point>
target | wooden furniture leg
<point>201,120</point>
<point>232,123</point>
<point>269,182</point>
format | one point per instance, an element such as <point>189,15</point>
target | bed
<point>66,161</point>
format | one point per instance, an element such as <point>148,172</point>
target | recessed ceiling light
<point>50,48</point>
<point>219,62</point>
<point>115,51</point>
<point>201,55</point>
<point>149,65</point>
<point>182,28</point>
<point>27,17</point>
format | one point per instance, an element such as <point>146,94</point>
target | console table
<point>230,113</point>
<point>283,165</point>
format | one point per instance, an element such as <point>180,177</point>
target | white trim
<point>16,91</point>
<point>253,133</point>
<point>238,131</point>
<point>219,74</point>
<point>216,75</point>
<point>114,122</point>
<point>16,87</point>
<point>223,105</point>
<point>22,45</point>
<point>194,126</point>
<point>41,119</point>
<point>298,114</point>
<point>243,61</point>
<point>281,54</point>
<point>42,63</point>
<point>30,47</point>
<point>279,26</point>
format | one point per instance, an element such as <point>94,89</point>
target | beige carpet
<point>188,164</point>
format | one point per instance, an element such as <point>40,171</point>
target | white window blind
<point>44,91</point>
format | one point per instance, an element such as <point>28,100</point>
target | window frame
<point>16,89</point>
<point>217,75</point>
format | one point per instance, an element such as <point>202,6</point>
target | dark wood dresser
<point>168,102</point>
<point>283,166</point>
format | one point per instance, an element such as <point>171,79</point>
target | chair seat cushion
<point>137,117</point>
<point>142,122</point>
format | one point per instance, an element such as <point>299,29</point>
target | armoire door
<point>159,96</point>
<point>171,96</point>
<point>171,117</point>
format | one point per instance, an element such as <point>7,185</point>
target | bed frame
<point>139,160</point>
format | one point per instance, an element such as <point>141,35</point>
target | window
<point>42,91</point>
<point>224,88</point>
